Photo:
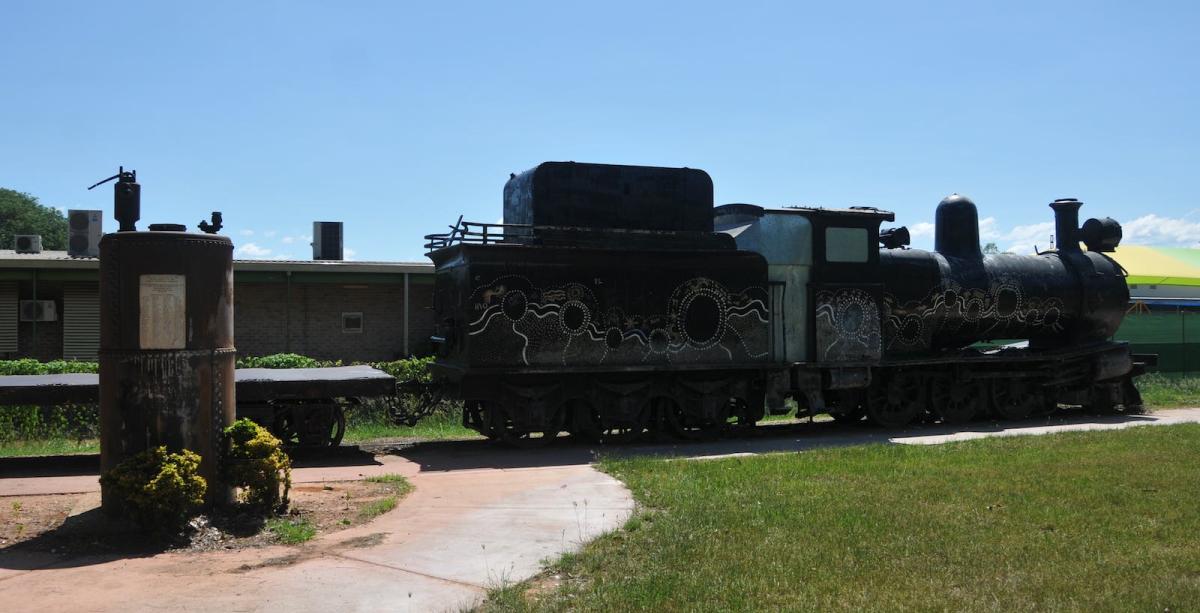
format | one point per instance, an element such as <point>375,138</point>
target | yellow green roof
<point>1159,265</point>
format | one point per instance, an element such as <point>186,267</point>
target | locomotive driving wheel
<point>895,401</point>
<point>1015,399</point>
<point>955,402</point>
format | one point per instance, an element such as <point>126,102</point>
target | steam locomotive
<point>616,300</point>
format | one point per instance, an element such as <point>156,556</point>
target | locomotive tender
<point>615,300</point>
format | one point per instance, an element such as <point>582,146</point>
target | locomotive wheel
<point>503,428</point>
<point>1015,399</point>
<point>955,402</point>
<point>320,423</point>
<point>896,401</point>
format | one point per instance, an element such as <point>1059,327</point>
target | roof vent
<point>27,243</point>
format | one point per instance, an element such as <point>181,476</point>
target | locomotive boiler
<point>615,301</point>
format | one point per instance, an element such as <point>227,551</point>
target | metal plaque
<point>163,313</point>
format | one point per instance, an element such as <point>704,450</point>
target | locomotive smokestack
<point>957,228</point>
<point>1066,224</point>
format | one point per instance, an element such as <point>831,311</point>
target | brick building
<point>323,309</point>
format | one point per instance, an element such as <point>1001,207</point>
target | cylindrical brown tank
<point>166,348</point>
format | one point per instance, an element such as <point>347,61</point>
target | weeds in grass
<point>375,508</point>
<point>292,531</point>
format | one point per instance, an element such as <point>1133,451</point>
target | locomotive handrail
<point>471,232</point>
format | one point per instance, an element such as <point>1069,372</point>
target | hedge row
<point>27,422</point>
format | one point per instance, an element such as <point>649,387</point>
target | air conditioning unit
<point>327,240</point>
<point>27,243</point>
<point>38,310</point>
<point>84,229</point>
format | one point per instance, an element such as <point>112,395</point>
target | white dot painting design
<point>702,321</point>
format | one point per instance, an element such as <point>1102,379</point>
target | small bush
<point>161,490</point>
<point>256,463</point>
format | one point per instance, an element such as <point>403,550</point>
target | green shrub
<point>161,490</point>
<point>407,370</point>
<point>256,463</point>
<point>284,360</point>
<point>30,366</point>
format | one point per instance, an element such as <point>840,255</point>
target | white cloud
<point>287,240</point>
<point>987,229</point>
<point>921,229</point>
<point>306,238</point>
<point>270,233</point>
<point>246,232</point>
<point>348,254</point>
<point>285,256</point>
<point>250,251</point>
<point>1161,231</point>
<point>1023,240</point>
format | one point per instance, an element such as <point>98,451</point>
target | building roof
<point>60,260</point>
<point>1159,265</point>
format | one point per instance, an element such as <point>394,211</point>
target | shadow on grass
<point>764,438</point>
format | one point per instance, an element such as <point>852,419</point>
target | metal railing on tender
<point>475,233</point>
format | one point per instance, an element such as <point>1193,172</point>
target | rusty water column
<point>166,341</point>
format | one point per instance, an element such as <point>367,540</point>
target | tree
<point>990,249</point>
<point>21,213</point>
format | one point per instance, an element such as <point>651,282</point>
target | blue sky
<point>395,118</point>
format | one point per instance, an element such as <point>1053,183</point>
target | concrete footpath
<point>480,517</point>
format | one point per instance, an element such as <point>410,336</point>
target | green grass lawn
<point>1167,390</point>
<point>442,425</point>
<point>51,446</point>
<point>1076,521</point>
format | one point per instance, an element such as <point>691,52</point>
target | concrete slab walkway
<point>457,535</point>
<point>480,516</point>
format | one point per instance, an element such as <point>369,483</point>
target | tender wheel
<point>956,402</point>
<point>739,415</point>
<point>682,425</point>
<point>628,429</point>
<point>1015,399</point>
<point>320,423</point>
<point>505,427</point>
<point>851,407</point>
<point>896,401</point>
<point>582,421</point>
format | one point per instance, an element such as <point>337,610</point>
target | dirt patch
<point>25,517</point>
<point>36,523</point>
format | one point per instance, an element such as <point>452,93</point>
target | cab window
<point>846,245</point>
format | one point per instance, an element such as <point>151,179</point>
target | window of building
<point>846,245</point>
<point>352,323</point>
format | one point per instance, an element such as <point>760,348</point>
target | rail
<point>471,232</point>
